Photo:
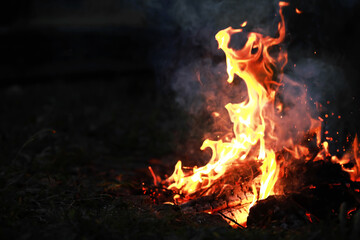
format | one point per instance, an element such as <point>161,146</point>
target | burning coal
<point>247,163</point>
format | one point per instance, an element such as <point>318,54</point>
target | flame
<point>253,125</point>
<point>254,137</point>
<point>350,157</point>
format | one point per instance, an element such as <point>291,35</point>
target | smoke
<point>316,88</point>
<point>328,89</point>
<point>192,16</point>
<point>184,47</point>
<point>188,63</point>
<point>324,80</point>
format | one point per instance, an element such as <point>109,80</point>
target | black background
<point>138,46</point>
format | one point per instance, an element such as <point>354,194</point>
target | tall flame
<point>253,125</point>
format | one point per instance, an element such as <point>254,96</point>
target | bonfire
<point>257,159</point>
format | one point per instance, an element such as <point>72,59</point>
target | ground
<point>74,156</point>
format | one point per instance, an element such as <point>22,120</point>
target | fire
<point>253,125</point>
<point>353,158</point>
<point>252,147</point>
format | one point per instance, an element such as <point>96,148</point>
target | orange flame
<point>353,158</point>
<point>254,137</point>
<point>253,127</point>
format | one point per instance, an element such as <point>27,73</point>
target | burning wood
<point>260,160</point>
<point>213,203</point>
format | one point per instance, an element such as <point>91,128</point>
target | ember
<point>260,160</point>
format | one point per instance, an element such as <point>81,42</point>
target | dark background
<point>92,92</point>
<point>42,41</point>
<point>116,41</point>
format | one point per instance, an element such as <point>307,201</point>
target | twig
<point>232,220</point>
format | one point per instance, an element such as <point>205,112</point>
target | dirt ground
<point>74,155</point>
